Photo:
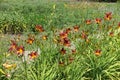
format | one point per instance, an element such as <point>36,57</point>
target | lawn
<point>64,40</point>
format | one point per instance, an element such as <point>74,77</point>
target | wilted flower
<point>33,55</point>
<point>98,52</point>
<point>98,20</point>
<point>39,28</point>
<point>88,21</point>
<point>20,50</point>
<point>30,40</point>
<point>108,16</point>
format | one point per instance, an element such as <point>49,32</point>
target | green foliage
<point>22,16</point>
<point>27,14</point>
<point>23,13</point>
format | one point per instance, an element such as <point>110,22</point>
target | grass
<point>94,50</point>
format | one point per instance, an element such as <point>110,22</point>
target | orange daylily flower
<point>98,52</point>
<point>13,46</point>
<point>9,66</point>
<point>88,21</point>
<point>76,28</point>
<point>98,20</point>
<point>20,50</point>
<point>63,51</point>
<point>39,28</point>
<point>108,16</point>
<point>30,40</point>
<point>33,55</point>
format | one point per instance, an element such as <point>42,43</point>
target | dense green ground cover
<point>94,49</point>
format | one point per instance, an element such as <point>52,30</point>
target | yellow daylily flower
<point>9,66</point>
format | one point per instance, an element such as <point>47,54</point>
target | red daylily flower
<point>108,16</point>
<point>76,28</point>
<point>98,52</point>
<point>20,50</point>
<point>111,34</point>
<point>39,28</point>
<point>98,20</point>
<point>33,55</point>
<point>88,21</point>
<point>30,40</point>
<point>66,42</point>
